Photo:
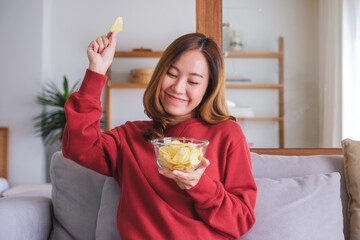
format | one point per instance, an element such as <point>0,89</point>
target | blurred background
<point>43,40</point>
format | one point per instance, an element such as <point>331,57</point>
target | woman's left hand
<point>186,180</point>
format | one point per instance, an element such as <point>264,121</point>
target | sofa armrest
<point>25,217</point>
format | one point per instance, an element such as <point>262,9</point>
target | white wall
<point>21,81</point>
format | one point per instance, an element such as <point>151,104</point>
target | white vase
<point>236,41</point>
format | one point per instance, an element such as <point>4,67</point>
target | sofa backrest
<point>85,201</point>
<point>76,196</point>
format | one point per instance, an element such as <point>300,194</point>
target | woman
<point>185,98</point>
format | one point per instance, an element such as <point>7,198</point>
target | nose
<point>180,85</point>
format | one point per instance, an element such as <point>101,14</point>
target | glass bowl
<point>183,154</point>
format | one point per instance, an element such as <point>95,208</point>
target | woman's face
<point>184,85</point>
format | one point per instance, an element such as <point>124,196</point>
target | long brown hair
<point>212,109</point>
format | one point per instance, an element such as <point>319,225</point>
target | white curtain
<point>351,69</point>
<point>329,47</point>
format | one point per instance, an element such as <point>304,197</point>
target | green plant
<point>51,123</point>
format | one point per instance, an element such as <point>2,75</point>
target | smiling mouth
<point>176,99</point>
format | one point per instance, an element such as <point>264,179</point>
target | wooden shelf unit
<point>110,84</point>
<point>209,21</point>
<point>279,55</point>
<point>278,86</point>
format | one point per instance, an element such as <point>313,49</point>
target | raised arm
<point>83,141</point>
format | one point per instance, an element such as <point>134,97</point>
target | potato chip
<point>195,156</point>
<point>180,156</point>
<point>117,26</point>
<point>165,154</point>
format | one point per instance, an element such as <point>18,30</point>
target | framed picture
<point>4,148</point>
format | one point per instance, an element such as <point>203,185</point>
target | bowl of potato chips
<point>179,153</point>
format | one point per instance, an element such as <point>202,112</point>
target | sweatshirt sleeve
<point>228,207</point>
<point>83,141</point>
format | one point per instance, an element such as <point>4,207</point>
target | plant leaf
<point>51,123</point>
<point>66,88</point>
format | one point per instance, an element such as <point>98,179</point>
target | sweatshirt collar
<point>177,129</point>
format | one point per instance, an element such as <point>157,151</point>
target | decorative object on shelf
<point>236,41</point>
<point>230,104</point>
<point>226,25</point>
<point>242,112</point>
<point>239,112</point>
<point>141,75</point>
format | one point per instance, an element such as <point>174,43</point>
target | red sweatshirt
<point>220,206</point>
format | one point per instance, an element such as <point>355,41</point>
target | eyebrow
<point>194,73</point>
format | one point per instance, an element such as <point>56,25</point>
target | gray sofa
<point>299,197</point>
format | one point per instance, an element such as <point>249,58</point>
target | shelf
<point>126,85</point>
<point>260,118</point>
<point>253,54</point>
<point>253,85</point>
<point>228,85</point>
<point>138,54</point>
<point>279,56</point>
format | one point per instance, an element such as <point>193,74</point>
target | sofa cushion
<point>274,166</point>
<point>76,196</point>
<point>25,217</point>
<point>106,223</point>
<point>351,151</point>
<point>298,208</point>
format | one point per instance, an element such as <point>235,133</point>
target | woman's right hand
<point>101,53</point>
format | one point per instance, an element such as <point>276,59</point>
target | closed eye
<point>171,75</point>
<point>193,83</point>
